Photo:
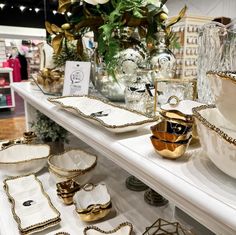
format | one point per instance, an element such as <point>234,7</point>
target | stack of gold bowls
<point>171,139</point>
<point>66,190</point>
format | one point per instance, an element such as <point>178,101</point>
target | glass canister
<point>217,51</point>
<point>139,93</point>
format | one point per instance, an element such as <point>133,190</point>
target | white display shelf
<point>192,182</point>
<point>124,203</point>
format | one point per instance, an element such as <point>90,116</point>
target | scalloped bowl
<point>170,150</point>
<point>172,132</point>
<point>72,164</point>
<point>22,159</point>
<point>92,202</point>
<point>217,137</point>
<point>223,86</point>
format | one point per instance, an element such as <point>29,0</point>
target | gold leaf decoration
<point>57,43</point>
<point>56,29</point>
<point>48,27</point>
<point>177,18</point>
<point>63,5</point>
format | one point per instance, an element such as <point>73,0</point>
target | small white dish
<point>125,228</point>
<point>114,118</point>
<point>92,202</point>
<point>217,137</point>
<point>21,159</point>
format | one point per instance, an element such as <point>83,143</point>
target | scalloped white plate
<point>31,206</point>
<point>114,118</point>
<point>123,229</point>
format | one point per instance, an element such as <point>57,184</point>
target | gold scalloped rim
<point>211,126</point>
<point>111,231</point>
<point>78,171</point>
<point>227,75</point>
<point>34,228</point>
<point>149,120</point>
<point>28,160</point>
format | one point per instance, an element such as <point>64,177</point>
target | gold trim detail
<point>225,75</point>
<point>40,226</point>
<point>77,171</point>
<point>111,231</point>
<point>211,126</point>
<point>149,120</point>
<point>28,160</point>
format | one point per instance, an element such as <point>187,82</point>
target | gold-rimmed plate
<point>114,118</point>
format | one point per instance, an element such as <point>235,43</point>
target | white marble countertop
<point>192,182</point>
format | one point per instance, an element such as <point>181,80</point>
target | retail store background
<point>12,123</point>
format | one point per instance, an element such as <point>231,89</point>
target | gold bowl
<point>95,213</point>
<point>66,190</point>
<point>68,186</point>
<point>92,202</point>
<point>170,131</point>
<point>170,150</point>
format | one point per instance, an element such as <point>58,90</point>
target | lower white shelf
<point>127,205</point>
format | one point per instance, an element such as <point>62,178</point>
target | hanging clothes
<point>24,66</point>
<point>14,63</point>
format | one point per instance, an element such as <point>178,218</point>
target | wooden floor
<point>12,128</point>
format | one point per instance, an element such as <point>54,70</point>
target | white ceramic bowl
<point>223,86</point>
<point>92,202</point>
<point>217,137</point>
<point>21,159</point>
<point>73,163</point>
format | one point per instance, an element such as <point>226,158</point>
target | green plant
<point>104,18</point>
<point>47,130</point>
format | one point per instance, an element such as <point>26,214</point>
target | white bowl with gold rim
<point>21,159</point>
<point>72,164</point>
<point>92,202</point>
<point>223,86</point>
<point>218,138</point>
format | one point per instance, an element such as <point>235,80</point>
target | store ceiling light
<point>2,5</point>
<point>69,13</point>
<point>30,9</point>
<point>54,12</point>
<point>36,10</point>
<point>22,8</point>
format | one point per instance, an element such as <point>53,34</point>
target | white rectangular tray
<point>114,118</point>
<point>31,207</point>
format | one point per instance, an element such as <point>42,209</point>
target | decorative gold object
<point>29,137</point>
<point>163,227</point>
<point>16,190</point>
<point>92,202</point>
<point>50,81</point>
<point>170,150</point>
<point>66,190</point>
<point>172,132</point>
<point>125,228</point>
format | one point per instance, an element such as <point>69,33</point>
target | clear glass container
<point>139,93</point>
<point>217,51</point>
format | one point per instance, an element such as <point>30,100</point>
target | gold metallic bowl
<point>67,187</point>
<point>170,150</point>
<point>67,199</point>
<point>95,212</point>
<point>170,131</point>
